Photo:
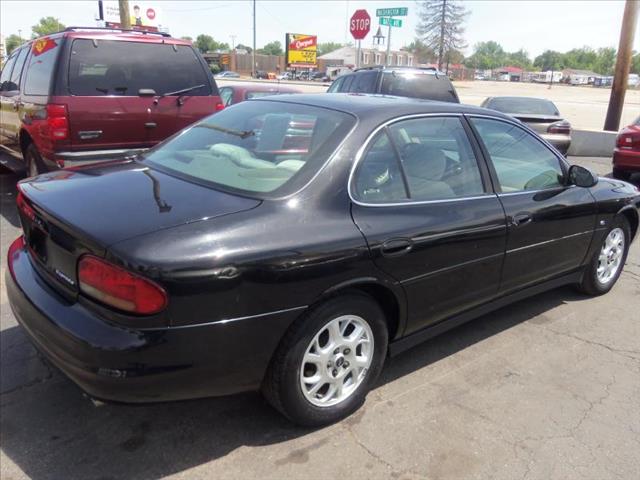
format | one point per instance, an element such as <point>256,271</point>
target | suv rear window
<point>112,67</point>
<point>418,85</point>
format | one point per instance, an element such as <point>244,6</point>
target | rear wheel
<point>33,160</point>
<point>328,361</point>
<point>621,174</point>
<point>606,265</point>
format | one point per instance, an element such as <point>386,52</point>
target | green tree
<point>47,25</point>
<point>327,47</point>
<point>206,43</point>
<point>441,26</point>
<point>581,58</point>
<point>13,41</point>
<point>487,55</point>
<point>605,61</point>
<point>519,59</point>
<point>271,48</point>
<point>635,63</point>
<point>549,60</point>
<point>421,52</point>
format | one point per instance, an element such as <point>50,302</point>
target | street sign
<point>360,24</point>
<point>390,22</point>
<point>392,12</point>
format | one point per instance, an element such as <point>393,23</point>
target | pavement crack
<point>631,354</point>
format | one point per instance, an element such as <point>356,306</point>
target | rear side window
<point>17,69</point>
<point>40,66</point>
<point>111,67</point>
<point>419,85</point>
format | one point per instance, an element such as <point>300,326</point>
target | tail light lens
<point>219,106</point>
<point>57,121</point>
<point>24,207</point>
<point>563,127</point>
<point>14,248</point>
<point>119,288</point>
<point>627,141</point>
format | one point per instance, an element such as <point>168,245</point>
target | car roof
<point>361,104</point>
<point>261,87</point>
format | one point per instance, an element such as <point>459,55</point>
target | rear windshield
<point>260,148</point>
<point>112,67</point>
<point>532,106</point>
<point>418,85</point>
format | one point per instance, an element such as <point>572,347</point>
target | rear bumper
<point>626,160</point>
<point>561,142</point>
<point>116,363</point>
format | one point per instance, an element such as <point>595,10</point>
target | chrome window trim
<point>366,144</point>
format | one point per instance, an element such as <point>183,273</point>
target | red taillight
<point>219,106</point>
<point>119,288</point>
<point>24,207</point>
<point>14,248</point>
<point>563,128</point>
<point>57,121</point>
<point>627,141</point>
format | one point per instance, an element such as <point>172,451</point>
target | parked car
<point>320,77</point>
<point>540,114</point>
<point>88,93</point>
<point>239,92</point>
<point>242,265</point>
<point>303,75</point>
<point>227,74</point>
<point>426,83</point>
<point>262,74</point>
<point>626,155</point>
<point>285,76</point>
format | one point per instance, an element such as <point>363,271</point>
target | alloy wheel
<point>336,361</point>
<point>611,254</point>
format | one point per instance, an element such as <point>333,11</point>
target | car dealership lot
<point>583,107</point>
<point>546,388</point>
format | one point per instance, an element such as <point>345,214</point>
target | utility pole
<point>125,16</point>
<point>253,52</point>
<point>442,23</point>
<point>233,42</point>
<point>388,43</point>
<point>623,62</point>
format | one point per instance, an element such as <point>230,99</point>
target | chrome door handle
<point>395,247</point>
<point>521,219</point>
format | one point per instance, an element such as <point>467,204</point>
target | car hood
<point>112,202</point>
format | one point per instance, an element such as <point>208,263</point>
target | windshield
<point>259,147</point>
<point>532,106</point>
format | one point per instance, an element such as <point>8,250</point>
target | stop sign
<point>360,24</point>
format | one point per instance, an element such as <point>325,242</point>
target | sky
<point>532,25</point>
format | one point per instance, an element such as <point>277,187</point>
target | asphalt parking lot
<point>547,388</point>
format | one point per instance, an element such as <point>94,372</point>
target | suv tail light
<point>119,288</point>
<point>57,121</point>
<point>219,106</point>
<point>563,127</point>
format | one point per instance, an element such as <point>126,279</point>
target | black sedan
<point>539,114</point>
<point>291,243</point>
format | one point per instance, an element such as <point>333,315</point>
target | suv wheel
<point>621,174</point>
<point>35,165</point>
<point>328,361</point>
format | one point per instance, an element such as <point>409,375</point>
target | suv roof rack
<point>396,67</point>
<point>112,29</point>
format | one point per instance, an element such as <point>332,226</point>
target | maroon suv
<point>92,94</point>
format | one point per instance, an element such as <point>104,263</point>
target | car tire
<point>33,160</point>
<point>621,174</point>
<point>347,377</point>
<point>608,260</point>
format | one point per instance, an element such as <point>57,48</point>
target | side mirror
<point>582,177</point>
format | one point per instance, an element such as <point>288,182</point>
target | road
<point>547,388</point>
<point>583,107</point>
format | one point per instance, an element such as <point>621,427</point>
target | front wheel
<point>607,262</point>
<point>328,361</point>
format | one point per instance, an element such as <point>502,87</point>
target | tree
<point>635,63</point>
<point>13,41</point>
<point>519,59</point>
<point>327,47</point>
<point>487,55</point>
<point>240,46</point>
<point>206,43</point>
<point>46,26</point>
<point>271,48</point>
<point>421,52</point>
<point>605,61</point>
<point>549,60</point>
<point>440,26</point>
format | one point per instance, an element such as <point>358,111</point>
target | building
<point>545,77</point>
<point>508,74</point>
<point>368,57</point>
<point>579,77</point>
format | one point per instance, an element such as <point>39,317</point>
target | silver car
<point>539,114</point>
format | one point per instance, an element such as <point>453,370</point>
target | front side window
<point>520,160</point>
<point>259,147</point>
<point>433,155</point>
<point>6,73</point>
<point>112,67</point>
